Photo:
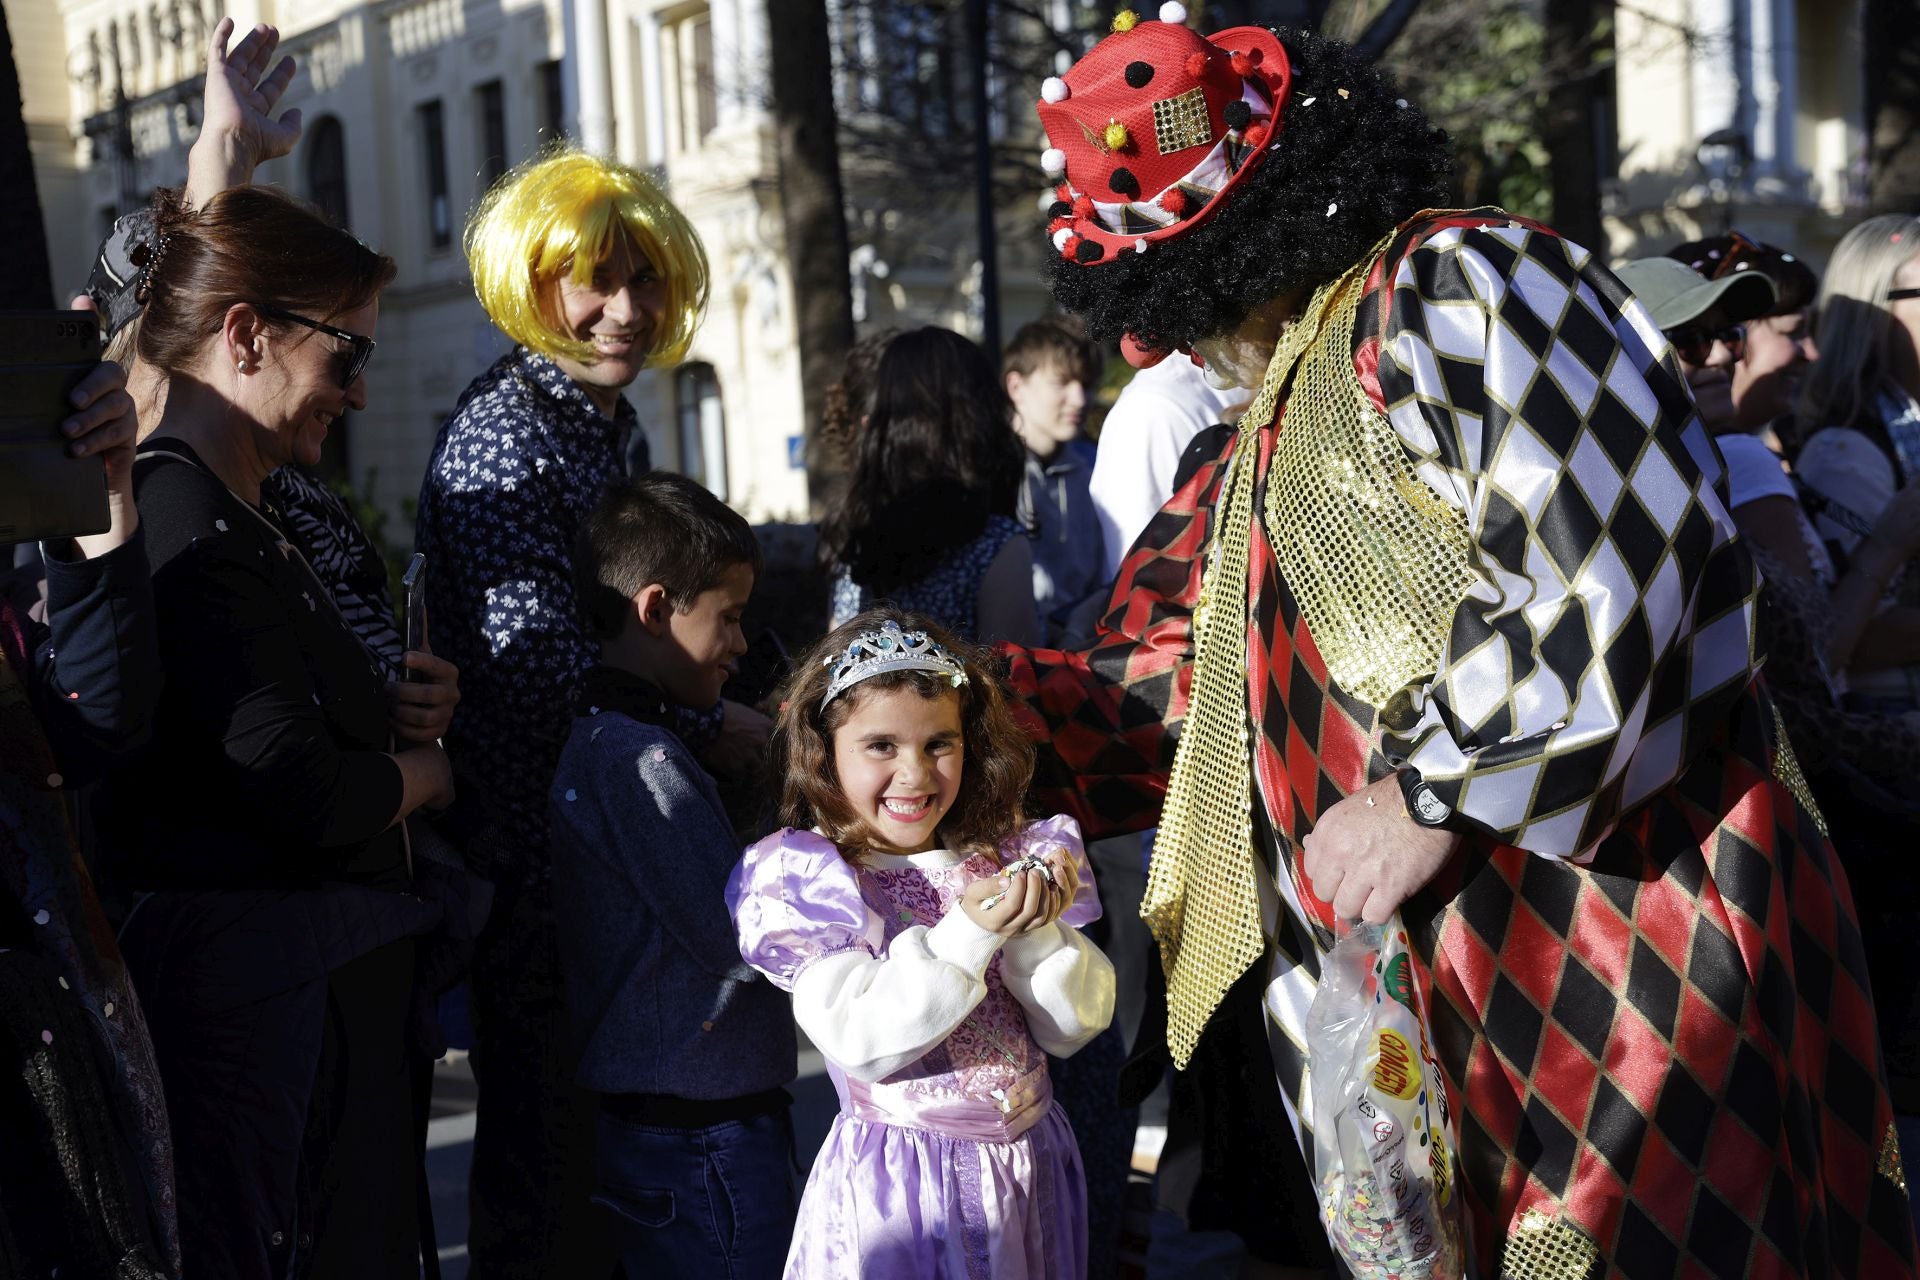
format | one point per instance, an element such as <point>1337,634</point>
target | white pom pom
<point>1054,161</point>
<point>1140,245</point>
<point>1054,89</point>
<point>1060,238</point>
<point>1173,11</point>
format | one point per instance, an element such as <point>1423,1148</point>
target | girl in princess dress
<point>927,935</point>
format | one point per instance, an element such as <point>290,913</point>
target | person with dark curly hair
<point>1453,630</point>
<point>927,520</point>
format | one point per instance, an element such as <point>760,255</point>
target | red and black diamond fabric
<point>1670,1048</point>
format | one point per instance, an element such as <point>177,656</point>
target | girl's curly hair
<point>998,761</point>
<point>1353,163</point>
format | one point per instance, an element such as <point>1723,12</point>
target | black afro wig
<point>1352,164</point>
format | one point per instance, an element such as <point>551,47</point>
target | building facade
<point>1738,113</point>
<point>411,108</point>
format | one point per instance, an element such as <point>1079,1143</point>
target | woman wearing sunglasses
<point>274,944</point>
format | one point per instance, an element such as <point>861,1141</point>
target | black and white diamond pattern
<point>1536,395</point>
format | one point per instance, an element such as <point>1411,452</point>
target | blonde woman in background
<point>1859,422</point>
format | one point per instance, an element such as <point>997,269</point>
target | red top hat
<point>1153,127</point>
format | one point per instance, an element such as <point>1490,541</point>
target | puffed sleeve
<point>1063,981</point>
<point>871,1006</point>
<point>794,901</point>
<point>1613,621</point>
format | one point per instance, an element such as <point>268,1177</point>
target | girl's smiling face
<point>898,757</point>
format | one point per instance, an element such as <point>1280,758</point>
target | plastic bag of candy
<point>1382,1137</point>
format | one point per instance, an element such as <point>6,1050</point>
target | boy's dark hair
<point>936,458</point>
<point>1353,162</point>
<point>1054,340</point>
<point>995,772</point>
<point>662,528</point>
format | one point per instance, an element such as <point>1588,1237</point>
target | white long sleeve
<point>875,1014</point>
<point>1065,984</point>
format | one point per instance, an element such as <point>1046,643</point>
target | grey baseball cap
<point>1675,294</point>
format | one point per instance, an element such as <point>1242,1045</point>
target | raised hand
<point>238,131</point>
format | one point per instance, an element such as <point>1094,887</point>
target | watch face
<point>1428,807</point>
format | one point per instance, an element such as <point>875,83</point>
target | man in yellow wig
<point>595,275</point>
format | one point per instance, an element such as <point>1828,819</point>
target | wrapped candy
<point>1378,1109</point>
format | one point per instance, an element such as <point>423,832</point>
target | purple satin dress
<point>958,1166</point>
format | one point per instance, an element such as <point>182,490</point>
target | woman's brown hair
<point>991,803</point>
<point>254,245</point>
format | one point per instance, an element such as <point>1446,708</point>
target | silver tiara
<point>874,653</point>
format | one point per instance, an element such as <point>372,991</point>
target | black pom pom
<point>1058,209</point>
<point>1237,114</point>
<point>1124,183</point>
<point>1088,251</point>
<point>1139,74</point>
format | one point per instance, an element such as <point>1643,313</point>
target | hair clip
<point>144,290</point>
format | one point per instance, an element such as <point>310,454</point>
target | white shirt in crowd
<point>1149,427</point>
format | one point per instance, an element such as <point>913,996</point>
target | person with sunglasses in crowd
<point>1706,323</point>
<point>274,941</point>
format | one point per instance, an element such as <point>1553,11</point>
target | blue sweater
<point>661,1001</point>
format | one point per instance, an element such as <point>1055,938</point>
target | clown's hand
<point>1366,856</point>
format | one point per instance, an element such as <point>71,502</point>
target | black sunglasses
<point>1694,343</point>
<point>1894,295</point>
<point>360,347</point>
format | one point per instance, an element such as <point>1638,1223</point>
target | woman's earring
<point>241,366</point>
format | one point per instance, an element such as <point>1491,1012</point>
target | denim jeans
<point>705,1204</point>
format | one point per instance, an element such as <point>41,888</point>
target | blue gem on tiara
<point>874,653</point>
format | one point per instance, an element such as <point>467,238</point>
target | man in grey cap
<point>1705,320</point>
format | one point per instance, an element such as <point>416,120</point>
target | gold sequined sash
<point>1377,561</point>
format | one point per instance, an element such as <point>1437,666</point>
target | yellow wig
<point>561,212</point>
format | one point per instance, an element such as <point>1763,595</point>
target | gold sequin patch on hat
<point>1545,1247</point>
<point>1181,122</point>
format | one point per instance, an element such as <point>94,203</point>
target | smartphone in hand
<point>413,584</point>
<point>44,492</point>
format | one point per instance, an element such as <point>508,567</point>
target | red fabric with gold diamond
<point>1672,1049</point>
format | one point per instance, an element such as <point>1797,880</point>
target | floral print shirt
<point>514,474</point>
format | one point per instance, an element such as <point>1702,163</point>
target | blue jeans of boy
<point>706,1204</point>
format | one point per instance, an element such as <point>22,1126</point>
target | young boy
<point>686,1045</point>
<point>1048,369</point>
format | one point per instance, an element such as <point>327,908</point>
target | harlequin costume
<point>1470,528</point>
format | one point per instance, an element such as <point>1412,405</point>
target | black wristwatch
<point>1424,805</point>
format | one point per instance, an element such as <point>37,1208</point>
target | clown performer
<point>595,275</point>
<point>1456,624</point>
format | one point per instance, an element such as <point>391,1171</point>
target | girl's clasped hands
<point>1029,894</point>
